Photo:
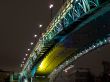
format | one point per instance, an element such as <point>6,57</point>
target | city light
<point>40,25</point>
<point>51,6</point>
<point>68,68</point>
<point>76,0</point>
<point>35,35</point>
<point>24,58</point>
<point>28,49</point>
<point>31,43</point>
<point>26,54</point>
<point>94,46</point>
<point>105,40</point>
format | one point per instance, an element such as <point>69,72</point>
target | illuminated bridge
<point>80,27</point>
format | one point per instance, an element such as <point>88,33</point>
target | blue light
<point>33,70</point>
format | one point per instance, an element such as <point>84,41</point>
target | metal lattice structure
<point>71,11</point>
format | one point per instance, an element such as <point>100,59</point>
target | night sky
<point>19,20</point>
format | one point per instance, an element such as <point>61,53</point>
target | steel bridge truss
<point>69,13</point>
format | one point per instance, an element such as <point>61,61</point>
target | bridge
<point>78,28</point>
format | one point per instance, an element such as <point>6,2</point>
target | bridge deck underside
<point>93,62</point>
<point>95,27</point>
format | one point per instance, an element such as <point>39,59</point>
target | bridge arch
<point>95,62</point>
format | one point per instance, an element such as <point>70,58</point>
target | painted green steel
<point>70,12</point>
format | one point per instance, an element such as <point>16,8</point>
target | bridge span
<point>80,28</point>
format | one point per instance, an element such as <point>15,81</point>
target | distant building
<point>14,77</point>
<point>4,76</point>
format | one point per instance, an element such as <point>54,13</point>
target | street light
<point>50,7</point>
<point>26,54</point>
<point>24,58</point>
<point>31,43</point>
<point>35,36</point>
<point>28,49</point>
<point>40,25</point>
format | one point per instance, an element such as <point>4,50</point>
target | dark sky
<point>19,20</point>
